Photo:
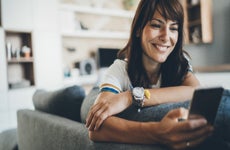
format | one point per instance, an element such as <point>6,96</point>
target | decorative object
<point>196,35</point>
<point>26,51</point>
<point>8,49</point>
<point>130,4</point>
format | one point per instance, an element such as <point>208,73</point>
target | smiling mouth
<point>161,48</point>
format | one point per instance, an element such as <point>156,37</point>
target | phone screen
<point>205,102</point>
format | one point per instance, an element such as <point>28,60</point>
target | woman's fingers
<point>186,144</point>
<point>91,114</point>
<point>178,113</point>
<point>96,116</point>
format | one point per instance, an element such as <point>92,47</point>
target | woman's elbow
<point>94,136</point>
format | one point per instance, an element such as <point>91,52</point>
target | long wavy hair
<point>174,69</point>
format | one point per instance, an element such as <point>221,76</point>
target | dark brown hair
<point>175,67</point>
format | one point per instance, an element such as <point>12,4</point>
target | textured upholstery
<point>88,102</point>
<point>8,140</point>
<point>44,128</point>
<point>64,102</point>
<point>39,130</point>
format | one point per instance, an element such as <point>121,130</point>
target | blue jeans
<point>222,122</point>
<point>221,136</point>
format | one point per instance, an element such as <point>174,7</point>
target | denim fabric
<point>222,122</point>
<point>221,136</point>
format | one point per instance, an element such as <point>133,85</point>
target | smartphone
<point>205,102</point>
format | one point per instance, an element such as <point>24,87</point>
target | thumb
<point>178,113</point>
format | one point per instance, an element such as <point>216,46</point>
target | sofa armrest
<point>39,130</point>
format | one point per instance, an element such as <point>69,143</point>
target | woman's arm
<point>173,94</point>
<point>107,104</point>
<point>169,131</point>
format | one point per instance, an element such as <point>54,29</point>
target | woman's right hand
<point>183,134</point>
<point>107,104</point>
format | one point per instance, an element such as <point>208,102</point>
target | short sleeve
<point>190,68</point>
<point>116,77</point>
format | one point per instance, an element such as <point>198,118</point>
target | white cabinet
<point>48,55</point>
<point>3,77</point>
<point>40,19</point>
<point>47,44</point>
<point>4,113</point>
<point>17,14</point>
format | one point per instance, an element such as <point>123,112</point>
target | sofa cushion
<point>8,139</point>
<point>65,102</point>
<point>88,102</point>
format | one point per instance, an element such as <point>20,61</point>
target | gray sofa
<point>58,121</point>
<point>55,125</point>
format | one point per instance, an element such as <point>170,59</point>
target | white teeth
<point>162,48</point>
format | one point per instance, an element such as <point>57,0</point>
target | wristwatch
<point>138,94</point>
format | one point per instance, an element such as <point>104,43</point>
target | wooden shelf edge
<point>21,60</point>
<point>97,10</point>
<point>216,68</point>
<point>97,34</point>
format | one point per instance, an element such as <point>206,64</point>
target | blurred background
<point>51,44</point>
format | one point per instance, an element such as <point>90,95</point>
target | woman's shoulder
<point>120,62</point>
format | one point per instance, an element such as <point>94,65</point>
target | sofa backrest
<point>65,102</point>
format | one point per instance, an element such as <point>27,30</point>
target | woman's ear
<point>138,33</point>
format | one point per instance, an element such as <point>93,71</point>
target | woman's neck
<point>152,69</point>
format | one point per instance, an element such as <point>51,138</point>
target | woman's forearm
<point>169,94</point>
<point>174,94</point>
<point>116,129</point>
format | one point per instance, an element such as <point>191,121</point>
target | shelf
<point>97,34</point>
<point>216,68</point>
<point>81,80</point>
<point>21,60</point>
<point>198,21</point>
<point>194,23</point>
<point>98,11</point>
<point>193,5</point>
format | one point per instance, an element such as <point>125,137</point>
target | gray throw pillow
<point>65,102</point>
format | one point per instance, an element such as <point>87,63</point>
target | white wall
<point>47,44</point>
<point>215,79</point>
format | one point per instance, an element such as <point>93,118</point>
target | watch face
<point>138,92</point>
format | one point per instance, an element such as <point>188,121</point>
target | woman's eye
<point>156,25</point>
<point>174,28</point>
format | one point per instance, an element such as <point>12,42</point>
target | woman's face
<point>159,38</point>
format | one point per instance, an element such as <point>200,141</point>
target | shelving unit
<point>87,10</point>
<point>97,34</point>
<point>97,10</point>
<point>20,62</point>
<point>198,21</point>
<point>99,26</point>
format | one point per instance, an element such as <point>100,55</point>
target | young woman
<point>153,69</point>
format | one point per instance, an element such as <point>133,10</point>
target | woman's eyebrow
<point>159,20</point>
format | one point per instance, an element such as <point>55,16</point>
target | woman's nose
<point>164,36</point>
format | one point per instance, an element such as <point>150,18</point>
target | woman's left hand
<point>107,104</point>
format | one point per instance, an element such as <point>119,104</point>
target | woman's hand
<point>107,104</point>
<point>183,134</point>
